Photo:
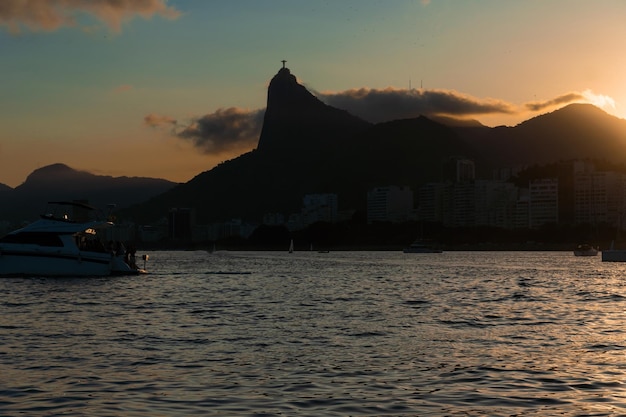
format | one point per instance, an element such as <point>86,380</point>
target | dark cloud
<point>389,104</point>
<point>158,120</point>
<point>563,99</point>
<point>225,130</point>
<point>377,105</point>
<point>230,130</point>
<point>50,15</point>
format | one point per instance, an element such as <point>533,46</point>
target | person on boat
<point>130,257</point>
<point>119,248</point>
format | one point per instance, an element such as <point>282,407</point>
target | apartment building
<point>544,202</point>
<point>389,204</point>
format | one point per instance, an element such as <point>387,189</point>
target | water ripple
<point>355,333</point>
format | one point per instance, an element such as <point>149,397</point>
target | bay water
<point>320,334</point>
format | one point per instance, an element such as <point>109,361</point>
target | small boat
<point>614,255</point>
<point>585,249</point>
<point>419,246</point>
<point>64,242</point>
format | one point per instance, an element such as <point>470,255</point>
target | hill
<point>60,182</point>
<point>309,147</point>
<point>576,131</point>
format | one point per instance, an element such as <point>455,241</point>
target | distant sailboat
<point>420,245</point>
<point>291,246</point>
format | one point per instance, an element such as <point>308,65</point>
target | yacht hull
<point>63,265</point>
<point>23,263</point>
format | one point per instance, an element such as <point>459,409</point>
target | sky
<point>170,89</point>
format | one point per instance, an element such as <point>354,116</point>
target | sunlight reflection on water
<point>342,333</point>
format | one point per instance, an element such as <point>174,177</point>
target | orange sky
<point>169,89</point>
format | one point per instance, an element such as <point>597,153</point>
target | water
<point>310,334</point>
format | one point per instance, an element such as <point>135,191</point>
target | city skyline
<point>169,89</point>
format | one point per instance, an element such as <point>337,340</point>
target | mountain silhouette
<point>308,147</point>
<point>576,131</point>
<point>60,182</point>
<point>296,122</point>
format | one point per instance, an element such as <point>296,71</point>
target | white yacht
<point>63,242</point>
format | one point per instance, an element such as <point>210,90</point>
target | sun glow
<point>599,100</point>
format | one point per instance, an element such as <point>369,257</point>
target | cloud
<point>50,15</point>
<point>224,131</point>
<point>381,105</point>
<point>122,88</point>
<point>378,105</point>
<point>157,120</point>
<point>230,130</point>
<point>560,100</point>
<point>599,100</point>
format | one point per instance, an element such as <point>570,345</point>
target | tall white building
<point>495,203</point>
<point>459,169</point>
<point>599,196</point>
<point>459,204</point>
<point>389,204</point>
<point>543,202</point>
<point>431,202</point>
